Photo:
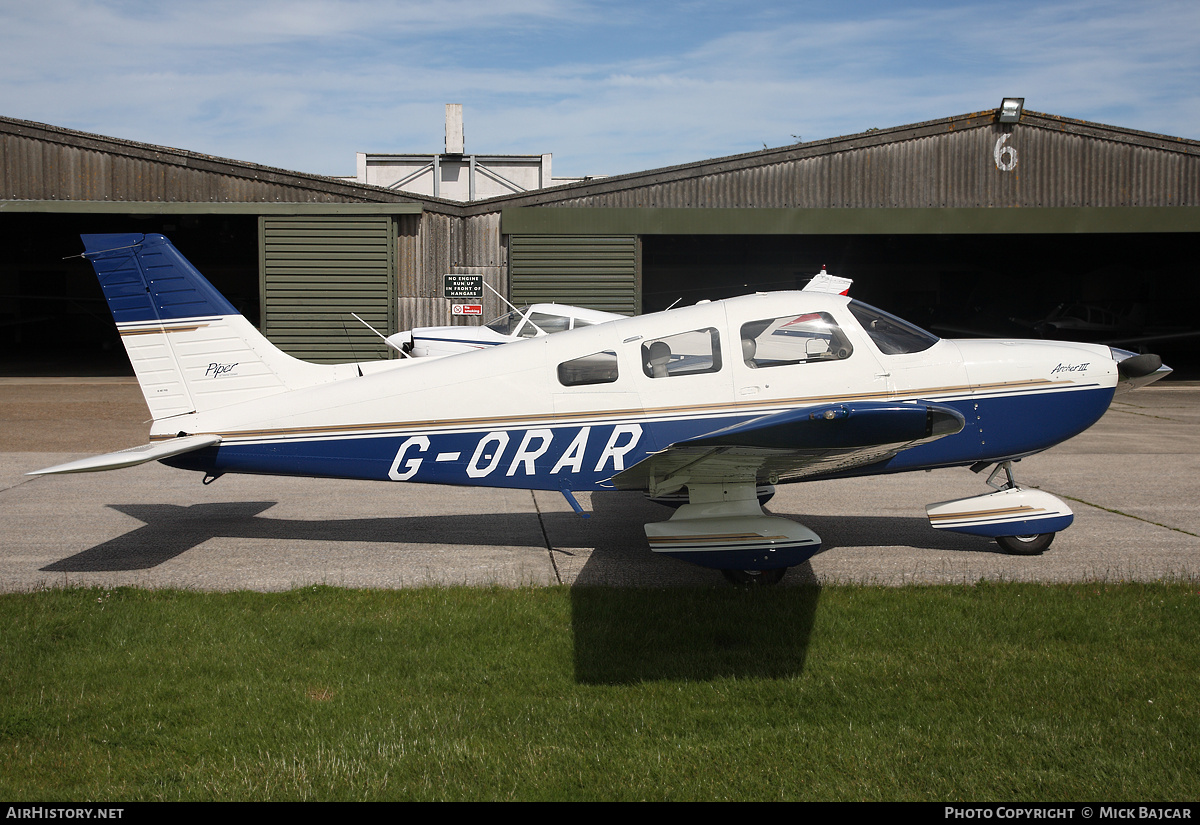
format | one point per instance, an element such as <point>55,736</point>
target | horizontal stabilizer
<point>133,456</point>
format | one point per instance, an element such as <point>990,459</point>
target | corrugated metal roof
<point>963,161</point>
<point>42,162</point>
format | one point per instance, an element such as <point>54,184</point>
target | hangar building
<point>967,224</point>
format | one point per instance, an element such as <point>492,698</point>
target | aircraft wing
<point>793,444</point>
<point>133,456</point>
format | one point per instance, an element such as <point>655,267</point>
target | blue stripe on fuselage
<point>583,457</point>
<point>575,457</point>
<point>423,341</point>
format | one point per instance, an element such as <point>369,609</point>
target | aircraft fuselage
<point>505,417</point>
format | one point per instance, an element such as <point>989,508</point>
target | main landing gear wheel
<point>755,578</point>
<point>1033,545</point>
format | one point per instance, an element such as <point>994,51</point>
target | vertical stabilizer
<point>190,349</point>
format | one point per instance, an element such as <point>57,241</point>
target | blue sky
<point>608,87</point>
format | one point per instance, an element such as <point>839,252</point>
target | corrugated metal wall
<point>316,271</point>
<point>432,245</point>
<point>600,272</point>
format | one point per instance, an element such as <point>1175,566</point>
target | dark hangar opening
<point>1116,289</point>
<point>53,317</point>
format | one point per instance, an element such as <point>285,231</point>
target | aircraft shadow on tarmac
<point>613,536</point>
<point>621,555</point>
<point>170,530</point>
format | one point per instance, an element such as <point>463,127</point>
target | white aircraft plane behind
<point>523,322</point>
<point>719,400</point>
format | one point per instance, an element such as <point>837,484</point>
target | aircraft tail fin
<point>190,349</point>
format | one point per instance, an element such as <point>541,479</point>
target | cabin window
<point>688,353</point>
<point>793,339</point>
<point>597,368</point>
<point>892,335</point>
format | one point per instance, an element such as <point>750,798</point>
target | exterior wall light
<point>1010,109</point>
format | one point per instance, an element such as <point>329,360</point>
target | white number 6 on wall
<point>1006,156</point>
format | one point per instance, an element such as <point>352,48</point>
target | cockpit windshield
<point>892,335</point>
<point>507,324</point>
<point>525,324</point>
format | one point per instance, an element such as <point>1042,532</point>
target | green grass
<point>992,692</point>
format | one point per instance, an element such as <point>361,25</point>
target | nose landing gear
<point>1022,521</point>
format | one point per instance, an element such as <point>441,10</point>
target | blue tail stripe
<point>145,278</point>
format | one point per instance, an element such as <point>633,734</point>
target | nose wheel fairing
<point>1011,511</point>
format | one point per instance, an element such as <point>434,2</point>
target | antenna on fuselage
<point>381,335</point>
<point>498,295</point>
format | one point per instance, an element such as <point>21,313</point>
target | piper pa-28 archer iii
<point>716,402</point>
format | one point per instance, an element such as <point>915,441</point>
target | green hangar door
<point>594,271</point>
<point>316,271</point>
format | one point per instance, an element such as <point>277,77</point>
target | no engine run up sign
<point>462,286</point>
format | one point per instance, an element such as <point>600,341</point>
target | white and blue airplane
<point>716,402</point>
